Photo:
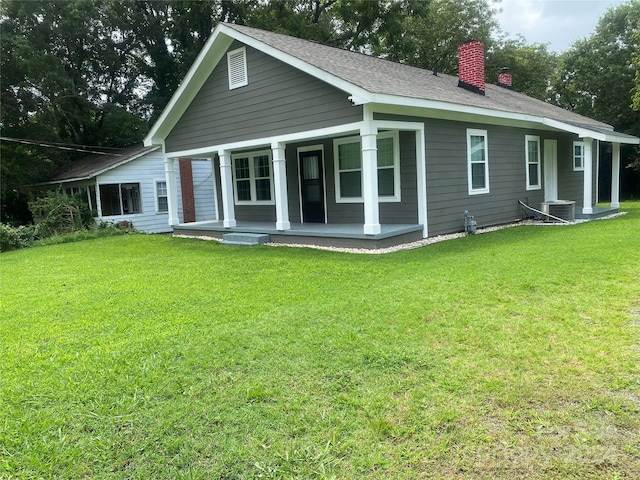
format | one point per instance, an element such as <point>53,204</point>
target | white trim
<point>580,168</point>
<point>312,148</point>
<point>472,132</point>
<point>615,175</point>
<point>237,68</point>
<point>529,162</point>
<point>252,178</point>
<point>265,142</point>
<point>550,170</point>
<point>395,135</point>
<point>157,196</point>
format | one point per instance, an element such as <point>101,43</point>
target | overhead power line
<point>60,146</point>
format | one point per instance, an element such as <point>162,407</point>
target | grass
<point>513,353</point>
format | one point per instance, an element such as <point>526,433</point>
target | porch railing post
<point>226,183</point>
<point>280,186</point>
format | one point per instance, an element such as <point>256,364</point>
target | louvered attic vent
<point>237,65</point>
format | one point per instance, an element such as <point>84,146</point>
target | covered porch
<point>347,235</point>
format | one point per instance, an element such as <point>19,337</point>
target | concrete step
<point>245,238</point>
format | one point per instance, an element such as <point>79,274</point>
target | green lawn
<point>512,354</point>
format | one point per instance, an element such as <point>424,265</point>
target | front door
<point>550,170</point>
<point>312,186</point>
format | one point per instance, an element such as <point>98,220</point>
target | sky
<point>556,22</point>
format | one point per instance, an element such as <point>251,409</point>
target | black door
<point>311,186</point>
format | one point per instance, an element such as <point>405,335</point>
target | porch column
<point>280,185</point>
<point>226,182</point>
<point>587,206</point>
<point>615,175</point>
<point>172,192</point>
<point>370,180</point>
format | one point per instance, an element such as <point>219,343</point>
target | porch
<point>348,235</point>
<point>597,212</point>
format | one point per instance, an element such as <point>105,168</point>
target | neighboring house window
<point>162,200</point>
<point>533,162</point>
<point>120,199</point>
<point>578,156</point>
<point>237,66</point>
<point>348,168</point>
<point>477,162</point>
<point>252,177</point>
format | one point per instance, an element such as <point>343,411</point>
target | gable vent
<point>237,65</point>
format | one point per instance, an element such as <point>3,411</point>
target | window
<point>533,162</point>
<point>252,177</point>
<point>237,66</point>
<point>477,162</point>
<point>348,168</point>
<point>162,199</point>
<point>120,199</point>
<point>578,156</point>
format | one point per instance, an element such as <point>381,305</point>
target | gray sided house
<point>130,185</point>
<point>318,145</point>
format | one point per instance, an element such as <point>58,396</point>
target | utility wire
<point>59,146</point>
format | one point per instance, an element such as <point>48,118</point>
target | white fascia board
<point>266,142</point>
<point>100,172</point>
<point>205,62</point>
<point>584,132</point>
<point>359,94</point>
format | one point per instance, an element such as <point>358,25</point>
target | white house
<point>130,185</point>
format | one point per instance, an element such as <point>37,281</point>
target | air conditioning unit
<point>564,209</point>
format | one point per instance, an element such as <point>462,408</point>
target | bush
<point>13,238</point>
<point>56,214</point>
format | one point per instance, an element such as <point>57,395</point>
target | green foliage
<point>147,356</point>
<point>13,238</point>
<point>56,213</point>
<point>531,66</point>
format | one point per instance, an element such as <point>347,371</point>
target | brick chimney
<point>471,66</point>
<point>504,78</point>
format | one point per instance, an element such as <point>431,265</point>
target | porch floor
<point>598,212</point>
<point>322,234</point>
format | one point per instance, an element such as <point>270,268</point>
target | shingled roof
<point>380,80</point>
<point>93,165</point>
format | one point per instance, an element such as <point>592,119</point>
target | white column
<point>615,175</point>
<point>280,186</point>
<point>421,181</point>
<point>172,192</point>
<point>98,200</point>
<point>370,180</point>
<point>226,182</point>
<point>587,206</point>
<point>215,187</point>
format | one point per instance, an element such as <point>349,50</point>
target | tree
<point>532,66</point>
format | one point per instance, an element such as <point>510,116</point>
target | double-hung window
<point>162,199</point>
<point>578,156</point>
<point>533,162</point>
<point>477,162</point>
<point>252,178</point>
<point>348,168</point>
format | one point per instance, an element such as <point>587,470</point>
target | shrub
<point>55,214</point>
<point>13,238</point>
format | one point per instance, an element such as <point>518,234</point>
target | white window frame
<point>166,195</point>
<point>237,59</point>
<point>120,199</point>
<point>529,162</point>
<point>252,178</point>
<point>578,168</point>
<point>472,132</point>
<point>396,197</point>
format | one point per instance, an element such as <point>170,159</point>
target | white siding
<point>148,169</point>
